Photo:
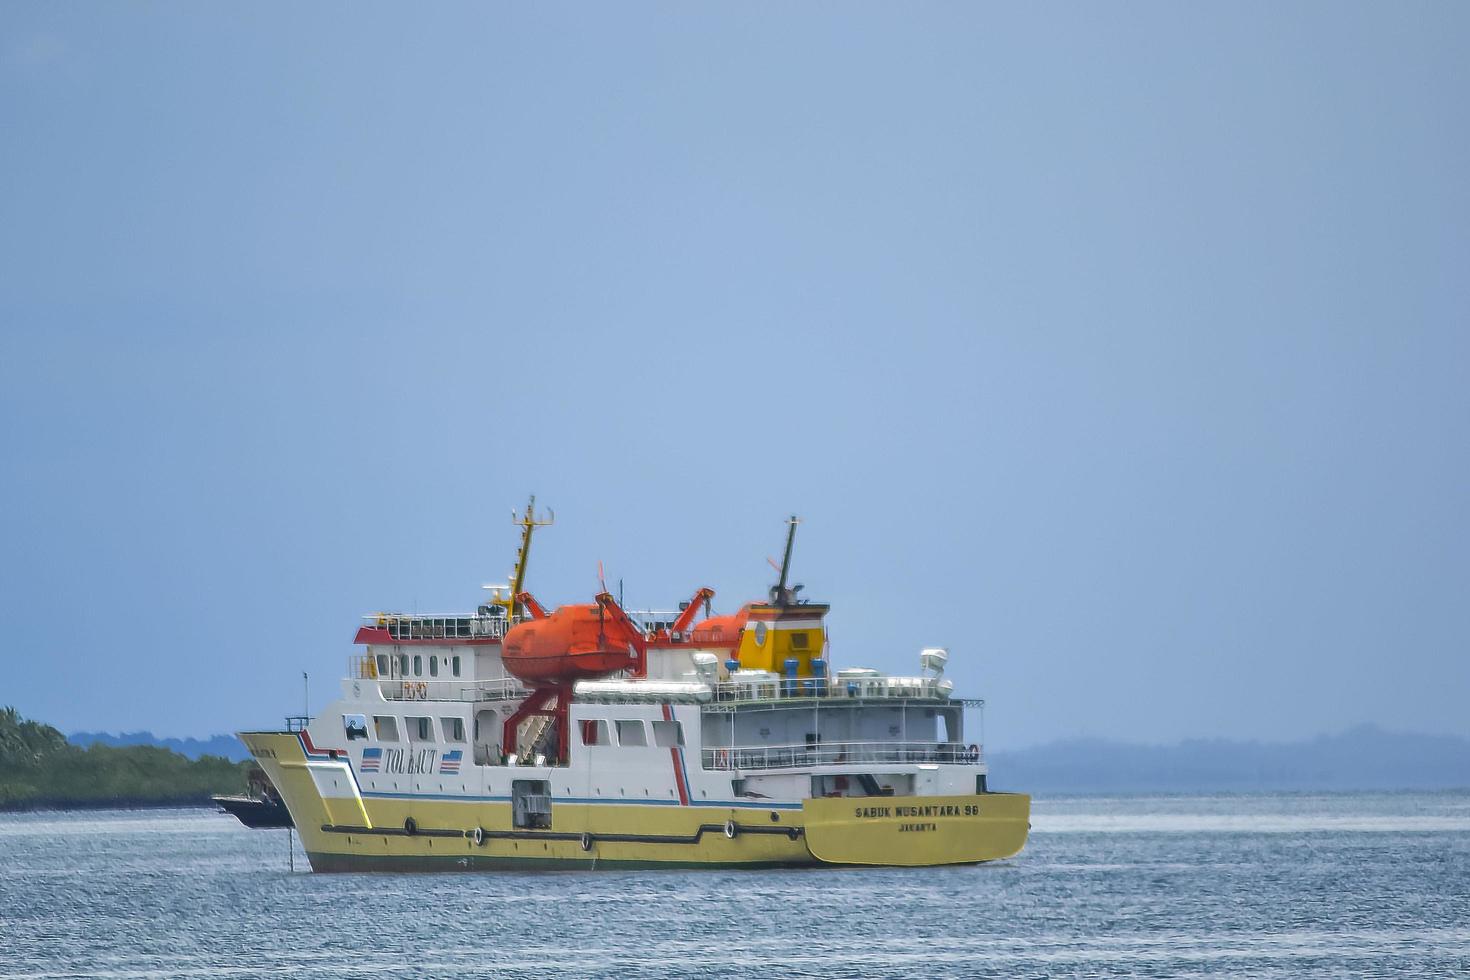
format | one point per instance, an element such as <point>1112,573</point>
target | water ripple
<point>1270,886</point>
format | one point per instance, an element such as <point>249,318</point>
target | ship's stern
<point>917,831</point>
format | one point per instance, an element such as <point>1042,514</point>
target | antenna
<point>528,523</point>
<point>779,594</point>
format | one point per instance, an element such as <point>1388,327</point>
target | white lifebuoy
<point>478,836</point>
<point>974,753</point>
<point>731,830</point>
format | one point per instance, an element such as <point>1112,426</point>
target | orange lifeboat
<point>723,630</point>
<point>573,643</point>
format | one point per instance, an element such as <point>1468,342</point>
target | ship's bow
<point>316,787</point>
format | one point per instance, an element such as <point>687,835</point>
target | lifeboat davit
<point>573,643</point>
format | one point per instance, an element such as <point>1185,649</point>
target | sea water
<point>1277,885</point>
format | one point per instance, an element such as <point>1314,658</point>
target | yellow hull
<point>379,833</point>
<point>915,831</point>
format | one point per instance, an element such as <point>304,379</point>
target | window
<point>632,733</point>
<point>594,732</point>
<point>403,665</point>
<point>433,666</point>
<point>453,729</point>
<point>420,729</point>
<point>455,664</point>
<point>668,734</point>
<point>798,641</point>
<point>384,667</point>
<point>356,726</point>
<point>385,728</point>
<point>418,665</point>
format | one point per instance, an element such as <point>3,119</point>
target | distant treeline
<point>40,768</point>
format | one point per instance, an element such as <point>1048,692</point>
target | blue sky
<point>1122,350</point>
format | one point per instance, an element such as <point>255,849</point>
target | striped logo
<point>372,760</point>
<point>449,764</point>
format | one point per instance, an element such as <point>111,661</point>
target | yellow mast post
<point>528,523</point>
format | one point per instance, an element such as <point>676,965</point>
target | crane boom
<point>686,618</point>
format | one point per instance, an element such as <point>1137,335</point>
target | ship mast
<point>528,523</point>
<point>779,595</point>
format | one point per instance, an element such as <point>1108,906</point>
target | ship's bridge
<point>434,657</point>
<point>428,677</point>
<point>488,625</point>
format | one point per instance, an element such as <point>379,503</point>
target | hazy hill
<point>1364,757</point>
<point>225,746</point>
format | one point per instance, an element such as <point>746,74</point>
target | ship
<point>260,807</point>
<point>589,736</point>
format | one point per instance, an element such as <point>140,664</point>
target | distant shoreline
<point>83,806</point>
<point>1361,759</point>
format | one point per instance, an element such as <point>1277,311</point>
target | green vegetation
<point>39,767</point>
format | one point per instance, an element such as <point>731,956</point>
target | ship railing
<point>735,757</point>
<point>653,620</point>
<point>406,689</point>
<point>502,689</point>
<point>402,626</point>
<point>774,688</point>
<point>658,624</point>
<point>399,687</point>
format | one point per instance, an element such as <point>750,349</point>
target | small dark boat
<point>261,805</point>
